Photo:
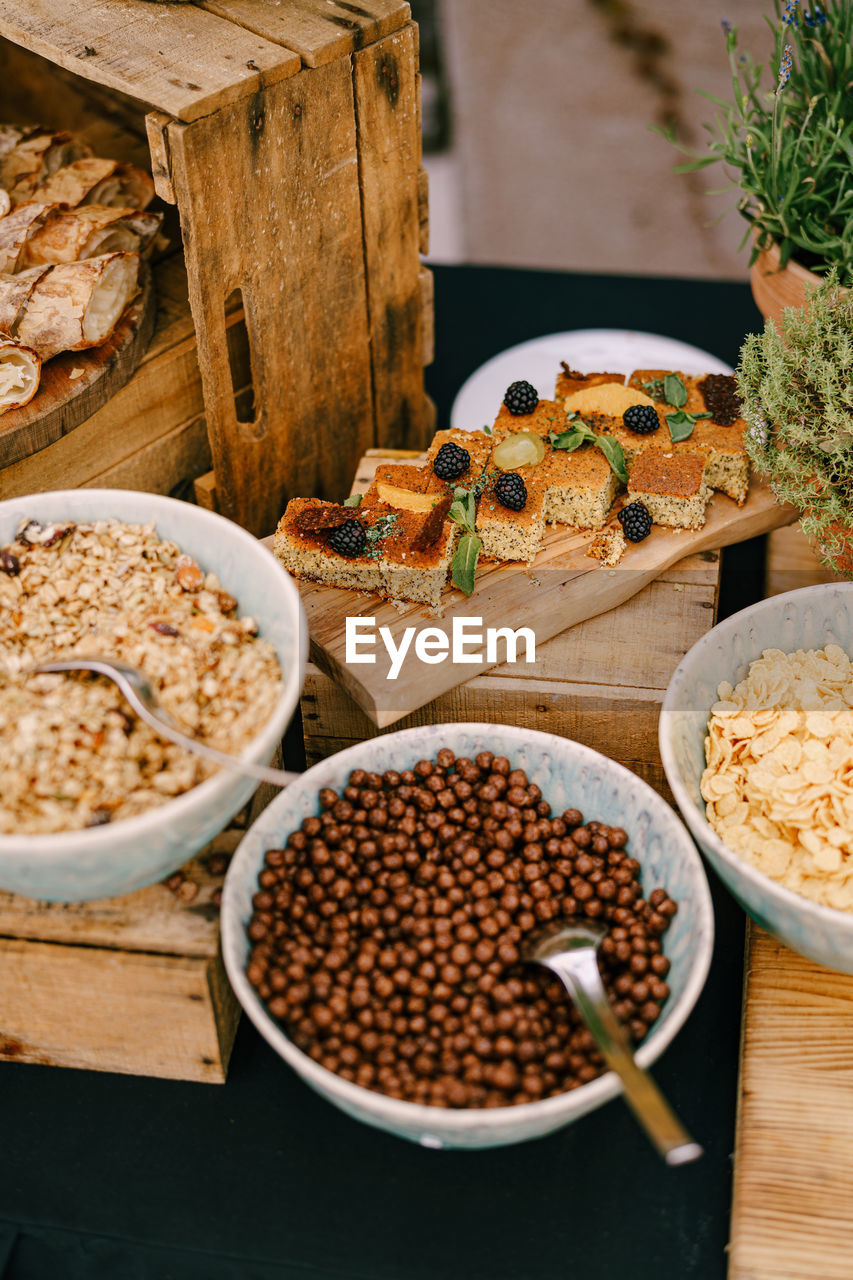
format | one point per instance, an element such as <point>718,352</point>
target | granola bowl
<point>168,586</point>
<point>806,619</point>
<point>567,773</point>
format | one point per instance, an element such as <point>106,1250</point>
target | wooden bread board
<point>77,383</point>
<point>562,587</point>
<point>793,1177</point>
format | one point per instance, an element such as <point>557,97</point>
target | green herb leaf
<point>615,455</point>
<point>569,440</point>
<point>674,390</point>
<point>681,424</point>
<point>464,510</point>
<point>487,430</point>
<point>464,566</point>
<point>354,500</point>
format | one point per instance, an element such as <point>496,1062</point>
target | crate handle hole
<point>240,361</point>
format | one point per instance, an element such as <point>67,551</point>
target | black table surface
<point>122,1178</point>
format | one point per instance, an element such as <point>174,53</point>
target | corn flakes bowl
<point>756,738</point>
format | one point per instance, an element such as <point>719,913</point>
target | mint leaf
<point>615,455</point>
<point>464,566</point>
<point>681,424</point>
<point>569,440</point>
<point>674,390</point>
<point>464,510</point>
<point>354,500</point>
<point>487,430</point>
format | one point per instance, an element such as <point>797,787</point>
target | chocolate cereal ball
<point>387,935</point>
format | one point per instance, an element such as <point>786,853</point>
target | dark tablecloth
<point>106,1177</point>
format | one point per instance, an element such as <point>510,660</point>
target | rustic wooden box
<point>133,984</point>
<point>601,682</point>
<point>288,137</point>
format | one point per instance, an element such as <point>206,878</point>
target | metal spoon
<point>569,950</point>
<point>138,692</point>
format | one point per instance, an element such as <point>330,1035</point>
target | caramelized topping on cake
<point>329,516</point>
<point>430,531</point>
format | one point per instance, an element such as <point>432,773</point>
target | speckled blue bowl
<point>570,776</point>
<point>806,619</point>
<point>105,861</point>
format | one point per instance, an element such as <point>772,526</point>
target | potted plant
<point>796,383</point>
<point>788,147</point>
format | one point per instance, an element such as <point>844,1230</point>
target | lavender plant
<point>796,383</point>
<point>791,143</point>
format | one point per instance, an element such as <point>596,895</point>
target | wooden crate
<point>601,682</point>
<point>288,137</point>
<point>133,984</point>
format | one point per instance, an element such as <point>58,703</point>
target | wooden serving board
<point>562,587</point>
<point>77,383</point>
<point>793,1178</point>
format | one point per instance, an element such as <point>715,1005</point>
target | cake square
<point>671,487</point>
<point>477,445</point>
<point>580,487</point>
<point>719,439</point>
<point>548,416</point>
<point>394,563</point>
<point>508,534</point>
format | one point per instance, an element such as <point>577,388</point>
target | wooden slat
<point>793,1173</point>
<point>793,1181</point>
<point>301,271</point>
<point>423,210</point>
<point>152,920</point>
<point>173,57</point>
<point>168,463</point>
<point>33,89</point>
<point>389,163</point>
<point>792,563</point>
<point>318,30</point>
<point>109,1011</point>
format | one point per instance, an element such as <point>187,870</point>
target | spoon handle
<point>136,690</point>
<point>578,971</point>
<point>264,773</point>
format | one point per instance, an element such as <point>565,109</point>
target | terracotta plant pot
<point>773,290</point>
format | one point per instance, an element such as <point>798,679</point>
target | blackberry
<point>719,391</point>
<point>349,539</point>
<point>641,418</point>
<point>635,521</point>
<point>451,461</point>
<point>511,491</point>
<point>521,398</point>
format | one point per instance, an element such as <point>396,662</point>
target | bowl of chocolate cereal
<point>756,738</point>
<point>94,803</point>
<point>375,919</point>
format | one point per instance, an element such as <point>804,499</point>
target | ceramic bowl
<point>105,861</point>
<point>806,619</point>
<point>570,776</point>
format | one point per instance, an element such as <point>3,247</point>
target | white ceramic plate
<point>538,361</point>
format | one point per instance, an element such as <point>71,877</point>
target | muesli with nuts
<point>74,756</point>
